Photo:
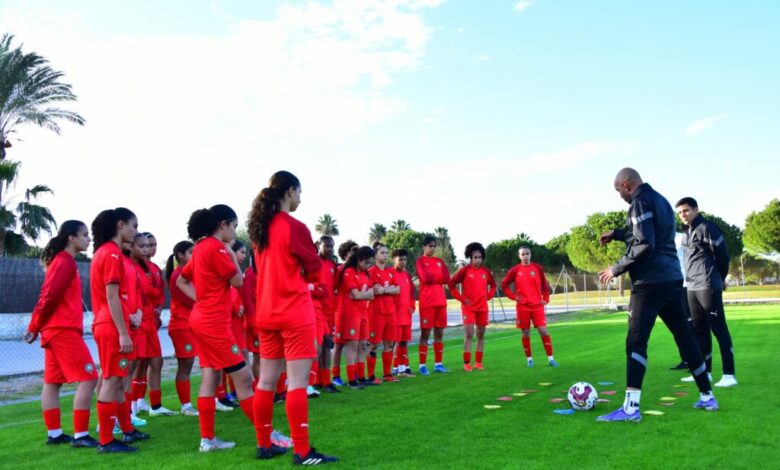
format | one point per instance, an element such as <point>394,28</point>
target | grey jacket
<point>706,257</point>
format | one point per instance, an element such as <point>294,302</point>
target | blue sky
<point>487,117</point>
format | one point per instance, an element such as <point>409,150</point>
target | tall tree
<point>408,240</point>
<point>584,249</point>
<point>26,219</point>
<point>29,92</point>
<point>502,255</point>
<point>731,234</point>
<point>377,233</point>
<point>444,248</point>
<point>327,225</point>
<point>762,230</point>
<point>557,246</point>
<point>400,225</point>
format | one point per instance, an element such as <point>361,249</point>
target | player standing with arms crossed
<point>433,275</point>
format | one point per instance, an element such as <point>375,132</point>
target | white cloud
<point>461,30</point>
<point>523,4</point>
<point>700,124</point>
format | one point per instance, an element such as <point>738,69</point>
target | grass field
<point>440,421</point>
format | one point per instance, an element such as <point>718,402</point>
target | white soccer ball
<point>582,396</point>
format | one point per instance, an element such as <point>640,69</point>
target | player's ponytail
<point>354,257</point>
<point>60,241</point>
<point>266,205</point>
<point>179,250</point>
<point>204,222</point>
<point>104,227</point>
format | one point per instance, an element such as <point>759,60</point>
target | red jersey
<point>235,301</point>
<point>181,305</point>
<point>284,270</point>
<point>404,301</point>
<point>107,268</point>
<point>59,303</point>
<point>531,286</point>
<point>211,269</point>
<point>478,286</point>
<point>249,297</point>
<point>383,304</point>
<point>158,286</point>
<point>353,279</point>
<point>324,291</point>
<point>433,275</point>
<point>131,292</point>
<point>147,293</point>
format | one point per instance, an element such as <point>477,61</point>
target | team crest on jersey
<point>90,368</point>
<point>188,347</point>
<point>484,277</point>
<point>438,263</point>
<point>372,334</point>
<point>425,321</point>
<point>256,343</point>
<point>533,273</point>
<point>235,349</point>
<point>123,363</point>
<point>351,331</point>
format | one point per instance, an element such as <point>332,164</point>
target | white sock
<point>529,359</point>
<point>438,363</point>
<point>186,405</point>
<point>631,403</point>
<point>203,440</point>
<point>55,433</point>
<point>706,396</point>
<point>550,358</point>
<point>79,435</point>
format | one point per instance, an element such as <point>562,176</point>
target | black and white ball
<point>582,396</point>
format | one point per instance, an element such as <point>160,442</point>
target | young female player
<point>214,270</point>
<point>249,299</point>
<point>135,257</point>
<point>151,329</point>
<point>344,250</point>
<point>58,318</point>
<point>531,292</point>
<point>405,307</point>
<point>324,307</point>
<point>286,264</point>
<point>433,275</point>
<point>381,321</point>
<point>111,326</point>
<point>477,287</point>
<point>179,325</point>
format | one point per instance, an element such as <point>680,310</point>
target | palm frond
<point>33,192</point>
<point>35,219</point>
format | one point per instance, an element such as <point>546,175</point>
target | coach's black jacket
<point>706,257</point>
<point>651,256</point>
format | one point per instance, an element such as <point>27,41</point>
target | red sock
<point>246,406</point>
<point>325,377</point>
<point>106,413</point>
<point>206,412</point>
<point>360,370</point>
<point>336,371</point>
<point>314,373</point>
<point>281,385</point>
<point>371,360</point>
<point>123,415</point>
<point>387,363</point>
<point>80,421</point>
<point>155,397</point>
<point>263,411</point>
<point>396,356</point>
<point>467,358</point>
<point>297,407</point>
<point>183,390</point>
<point>527,346</point>
<point>547,342</point>
<point>438,351</point>
<point>51,418</point>
<point>221,392</point>
<point>351,372</point>
<point>405,356</point>
<point>135,389</point>
<point>141,389</point>
<point>423,353</point>
<point>480,355</point>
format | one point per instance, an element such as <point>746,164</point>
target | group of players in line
<point>294,310</point>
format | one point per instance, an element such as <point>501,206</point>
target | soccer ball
<point>582,396</point>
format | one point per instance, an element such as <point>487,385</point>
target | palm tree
<point>31,219</point>
<point>28,89</point>
<point>327,225</point>
<point>377,233</point>
<point>400,225</point>
<point>442,235</point>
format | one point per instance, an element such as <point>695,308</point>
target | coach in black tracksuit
<point>656,279</point>
<point>706,267</point>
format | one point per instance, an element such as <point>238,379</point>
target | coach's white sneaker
<point>161,411</point>
<point>189,410</point>
<point>691,379</point>
<point>209,445</point>
<point>727,381</point>
<point>141,405</point>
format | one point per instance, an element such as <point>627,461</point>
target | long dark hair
<point>266,205</point>
<point>104,226</point>
<point>362,253</point>
<point>178,249</point>
<point>60,241</point>
<point>204,222</point>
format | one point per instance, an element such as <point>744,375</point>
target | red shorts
<point>183,343</point>
<point>290,344</point>
<point>322,328</point>
<point>403,333</point>
<point>330,320</point>
<point>471,317</point>
<point>528,313</point>
<point>433,317</point>
<point>216,349</point>
<point>112,362</point>
<point>381,328</point>
<point>351,328</point>
<point>237,326</point>
<point>67,359</point>
<point>252,341</point>
<point>151,342</point>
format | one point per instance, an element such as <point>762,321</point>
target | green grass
<point>440,421</point>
